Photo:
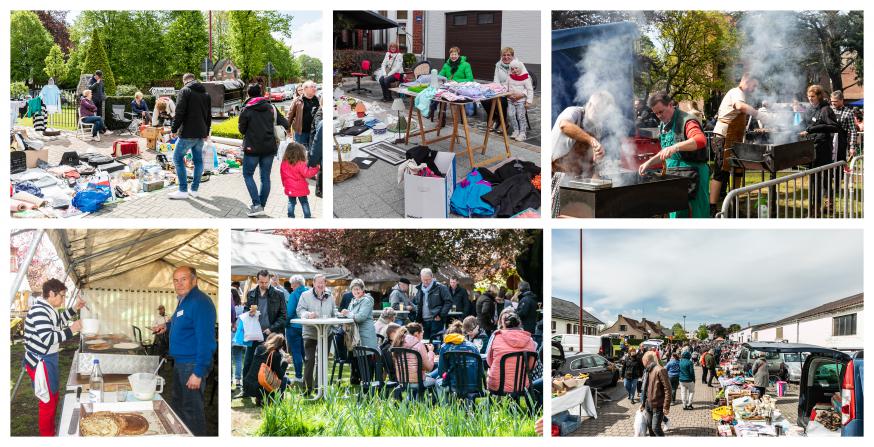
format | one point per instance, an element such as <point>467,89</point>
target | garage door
<point>478,34</point>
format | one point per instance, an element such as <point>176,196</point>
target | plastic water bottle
<point>95,384</point>
<point>763,208</point>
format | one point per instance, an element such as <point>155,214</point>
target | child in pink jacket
<point>295,172</point>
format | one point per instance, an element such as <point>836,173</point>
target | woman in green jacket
<point>456,68</point>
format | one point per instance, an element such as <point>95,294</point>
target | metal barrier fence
<point>830,191</point>
<point>68,116</point>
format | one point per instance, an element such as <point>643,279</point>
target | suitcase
<point>99,159</point>
<point>18,161</point>
<point>123,148</point>
<point>111,167</point>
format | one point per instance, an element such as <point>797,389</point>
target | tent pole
<point>22,269</point>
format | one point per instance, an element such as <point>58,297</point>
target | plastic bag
<point>280,150</point>
<point>91,199</point>
<point>641,421</point>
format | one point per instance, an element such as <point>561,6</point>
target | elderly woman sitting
<point>387,317</point>
<point>140,108</point>
<point>88,115</point>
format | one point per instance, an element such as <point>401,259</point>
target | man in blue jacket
<point>294,331</point>
<point>192,345</point>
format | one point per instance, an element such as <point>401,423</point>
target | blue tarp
<point>569,49</point>
<point>858,103</point>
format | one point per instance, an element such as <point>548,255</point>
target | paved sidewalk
<point>616,418</point>
<point>375,193</point>
<point>222,196</point>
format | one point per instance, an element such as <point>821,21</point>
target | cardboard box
<point>428,197</point>
<point>34,156</point>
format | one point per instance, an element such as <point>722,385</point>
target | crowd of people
<point>654,376</point>
<point>510,72</point>
<point>263,127</point>
<point>430,319</point>
<point>834,128</point>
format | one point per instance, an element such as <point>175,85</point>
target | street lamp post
<point>269,75</point>
<point>684,323</point>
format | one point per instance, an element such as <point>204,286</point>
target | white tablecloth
<point>578,397</point>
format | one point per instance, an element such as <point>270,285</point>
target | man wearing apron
<point>731,124</point>
<point>683,143</point>
<point>43,333</point>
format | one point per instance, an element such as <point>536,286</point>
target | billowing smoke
<point>772,51</point>
<point>603,82</point>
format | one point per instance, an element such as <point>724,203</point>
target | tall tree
<point>285,66</point>
<point>838,37</point>
<point>30,43</point>
<point>56,66</point>
<point>187,40</point>
<point>56,24</point>
<point>679,333</point>
<point>96,59</point>
<point>734,328</point>
<point>221,45</point>
<point>702,333</point>
<point>687,52</point>
<point>310,67</point>
<point>249,38</point>
<point>479,252</point>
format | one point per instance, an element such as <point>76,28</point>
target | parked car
<point>602,372</point>
<point>793,361</point>
<point>288,90</point>
<point>592,344</point>
<point>746,357</point>
<point>825,374</point>
<point>277,94</point>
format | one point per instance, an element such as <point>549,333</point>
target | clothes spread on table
<point>469,91</point>
<point>424,98</point>
<point>467,197</point>
<point>424,79</point>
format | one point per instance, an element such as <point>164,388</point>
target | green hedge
<point>111,123</point>
<point>227,128</point>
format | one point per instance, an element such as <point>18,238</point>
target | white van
<point>571,343</point>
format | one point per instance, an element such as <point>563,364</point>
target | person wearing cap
<point>400,296</point>
<point>760,374</point>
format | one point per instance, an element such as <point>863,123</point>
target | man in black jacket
<point>433,302</point>
<point>191,124</point>
<point>98,93</point>
<point>460,301</point>
<point>821,126</point>
<point>485,309</point>
<point>273,315</point>
<point>527,309</point>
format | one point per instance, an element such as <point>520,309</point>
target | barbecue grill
<point>623,194</point>
<point>772,151</point>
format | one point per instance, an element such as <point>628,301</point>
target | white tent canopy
<point>252,252</point>
<point>137,259</point>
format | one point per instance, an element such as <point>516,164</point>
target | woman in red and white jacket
<point>392,70</point>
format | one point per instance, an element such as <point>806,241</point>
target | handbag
<point>267,378</point>
<point>278,131</point>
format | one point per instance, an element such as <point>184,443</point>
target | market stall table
<point>580,397</point>
<point>70,408</point>
<point>74,379</point>
<point>323,326</point>
<point>456,109</point>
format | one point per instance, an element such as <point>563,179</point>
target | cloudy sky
<point>711,276</point>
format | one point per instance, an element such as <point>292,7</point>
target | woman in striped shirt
<point>43,333</point>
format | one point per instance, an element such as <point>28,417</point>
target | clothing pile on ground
<point>510,188</point>
<point>420,162</point>
<point>82,182</point>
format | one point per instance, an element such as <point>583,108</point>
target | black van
<point>823,374</point>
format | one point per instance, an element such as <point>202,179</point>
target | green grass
<point>28,122</point>
<point>342,413</point>
<point>227,128</point>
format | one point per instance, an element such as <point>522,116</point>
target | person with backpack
<point>709,367</point>
<point>632,371</point>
